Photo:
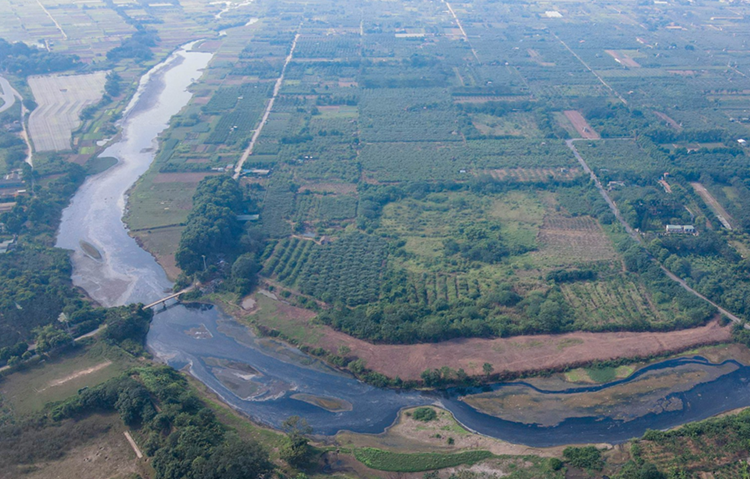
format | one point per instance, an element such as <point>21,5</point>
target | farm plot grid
<point>61,100</point>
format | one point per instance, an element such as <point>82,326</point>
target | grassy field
<point>154,203</point>
<point>162,243</point>
<point>399,462</point>
<point>29,390</point>
<point>598,375</point>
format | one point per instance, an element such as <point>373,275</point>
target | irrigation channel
<point>270,381</point>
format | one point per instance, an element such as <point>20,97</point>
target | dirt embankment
<point>516,354</point>
<point>523,353</point>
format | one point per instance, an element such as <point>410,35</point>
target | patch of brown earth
<point>623,59</point>
<point>78,374</point>
<point>581,125</point>
<point>521,353</point>
<point>515,354</point>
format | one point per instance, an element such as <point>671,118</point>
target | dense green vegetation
<point>424,414</point>
<point>182,435</point>
<point>348,270</point>
<point>212,228</point>
<point>717,446</point>
<point>20,59</point>
<point>36,289</point>
<point>588,457</point>
<point>397,462</point>
<point>137,46</point>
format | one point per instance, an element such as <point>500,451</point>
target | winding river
<point>270,381</point>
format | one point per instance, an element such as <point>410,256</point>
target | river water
<point>270,381</point>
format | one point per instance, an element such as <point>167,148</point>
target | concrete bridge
<point>171,296</point>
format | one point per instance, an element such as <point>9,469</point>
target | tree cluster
<point>212,231</point>
<point>137,46</point>
<point>23,60</point>
<point>182,436</point>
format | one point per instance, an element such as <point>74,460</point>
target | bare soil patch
<point>78,374</point>
<point>623,59</point>
<point>670,121</point>
<point>580,239</point>
<point>182,177</point>
<point>581,125</point>
<point>162,244</point>
<point>538,58</point>
<point>522,353</point>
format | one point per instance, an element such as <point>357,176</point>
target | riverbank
<point>509,357</point>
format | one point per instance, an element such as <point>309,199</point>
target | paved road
<point>633,234</point>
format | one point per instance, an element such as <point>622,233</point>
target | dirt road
<point>718,210</point>
<point>581,125</point>
<point>267,113</point>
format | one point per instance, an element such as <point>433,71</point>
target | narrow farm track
<point>633,234</point>
<point>592,71</point>
<point>280,81</point>
<point>59,27</point>
<point>460,27</point>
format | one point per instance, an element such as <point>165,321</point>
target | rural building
<point>14,178</point>
<point>256,172</point>
<point>681,229</point>
<point>7,245</point>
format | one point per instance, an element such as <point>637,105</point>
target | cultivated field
<point>61,100</point>
<point>105,455</point>
<point>574,239</point>
<point>618,301</point>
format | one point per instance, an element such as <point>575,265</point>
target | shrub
<point>424,414</point>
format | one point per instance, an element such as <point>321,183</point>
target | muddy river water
<point>270,381</point>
